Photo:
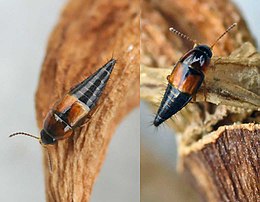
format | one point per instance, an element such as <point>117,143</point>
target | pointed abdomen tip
<point>112,62</point>
<point>110,65</point>
<point>157,121</point>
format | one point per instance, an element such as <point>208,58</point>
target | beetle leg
<point>205,91</point>
<point>85,121</point>
<point>84,124</point>
<point>213,65</point>
<point>193,99</point>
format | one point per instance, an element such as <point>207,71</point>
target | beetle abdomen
<point>89,91</point>
<point>172,102</point>
<point>184,82</point>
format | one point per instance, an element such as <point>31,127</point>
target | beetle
<point>73,110</point>
<point>185,78</point>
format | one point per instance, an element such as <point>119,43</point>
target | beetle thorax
<point>198,58</point>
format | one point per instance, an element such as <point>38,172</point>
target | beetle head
<point>46,138</point>
<point>205,49</point>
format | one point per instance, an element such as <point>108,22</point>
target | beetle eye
<point>46,138</point>
<point>205,49</point>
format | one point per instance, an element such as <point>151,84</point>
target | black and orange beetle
<point>73,109</point>
<point>185,79</point>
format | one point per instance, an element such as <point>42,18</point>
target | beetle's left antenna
<point>49,159</point>
<point>182,35</point>
<point>26,134</point>
<point>35,137</point>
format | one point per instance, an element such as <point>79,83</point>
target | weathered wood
<point>232,85</point>
<point>225,163</point>
<point>201,20</point>
<point>87,35</point>
<point>233,91</point>
<point>231,80</point>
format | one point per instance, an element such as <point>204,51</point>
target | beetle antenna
<point>227,30</point>
<point>49,159</point>
<point>35,137</point>
<point>182,35</point>
<point>26,134</point>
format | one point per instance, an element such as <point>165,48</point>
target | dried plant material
<point>87,35</point>
<point>225,163</point>
<point>232,81</point>
<point>161,48</point>
<point>232,94</point>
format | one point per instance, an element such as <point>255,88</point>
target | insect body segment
<point>173,100</point>
<point>74,108</point>
<point>90,90</point>
<point>185,79</point>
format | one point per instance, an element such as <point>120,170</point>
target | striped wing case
<point>89,91</point>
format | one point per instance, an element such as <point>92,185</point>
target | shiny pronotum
<point>186,78</point>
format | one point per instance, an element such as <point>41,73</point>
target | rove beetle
<point>186,78</point>
<point>73,109</point>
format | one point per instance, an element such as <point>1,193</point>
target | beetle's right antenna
<point>49,159</point>
<point>35,137</point>
<point>26,134</point>
<point>227,30</point>
<point>182,35</point>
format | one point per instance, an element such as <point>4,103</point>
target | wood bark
<point>87,35</point>
<point>225,163</point>
<point>220,159</point>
